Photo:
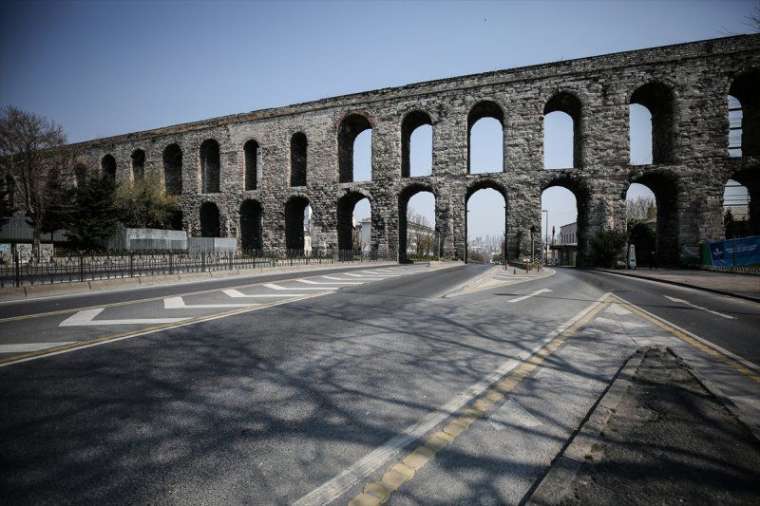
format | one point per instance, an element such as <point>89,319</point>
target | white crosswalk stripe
<point>179,303</point>
<point>86,318</point>
<point>274,286</point>
<point>328,283</point>
<point>231,292</point>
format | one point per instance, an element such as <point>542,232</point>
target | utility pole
<point>546,242</point>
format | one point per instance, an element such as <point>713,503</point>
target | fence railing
<point>113,265</point>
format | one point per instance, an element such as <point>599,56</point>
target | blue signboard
<point>744,251</point>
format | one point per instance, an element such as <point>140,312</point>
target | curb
<point>554,486</point>
<point>685,285</point>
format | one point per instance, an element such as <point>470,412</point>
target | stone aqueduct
<point>260,169</point>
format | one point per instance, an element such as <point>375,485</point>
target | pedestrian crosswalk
<point>231,298</point>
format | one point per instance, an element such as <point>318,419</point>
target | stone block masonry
<point>248,176</point>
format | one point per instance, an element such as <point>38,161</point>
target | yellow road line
<point>378,492</point>
<point>691,339</point>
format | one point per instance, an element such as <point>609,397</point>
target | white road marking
<point>716,313</point>
<point>179,303</point>
<point>537,292</point>
<point>359,470</point>
<point>231,292</point>
<point>273,286</point>
<point>310,282</point>
<point>22,347</point>
<point>337,279</point>
<point>363,276</point>
<point>85,318</point>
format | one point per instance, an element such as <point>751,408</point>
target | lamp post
<point>546,242</point>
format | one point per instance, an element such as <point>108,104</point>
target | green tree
<point>606,247</point>
<point>58,198</point>
<point>144,204</point>
<point>91,218</point>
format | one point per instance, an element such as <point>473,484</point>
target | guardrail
<point>112,265</point>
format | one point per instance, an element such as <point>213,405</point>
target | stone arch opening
<point>297,220</point>
<point>742,197</point>
<point>176,219</point>
<point>108,168</point>
<point>416,144</point>
<point>138,165</point>
<point>485,138</point>
<point>251,226</point>
<point>658,101</point>
<point>298,158</point>
<point>210,167</point>
<point>641,222</point>
<point>745,90</point>
<point>172,169</point>
<point>354,225</point>
<point>486,223</point>
<point>664,187</point>
<point>417,234</point>
<point>350,128</point>
<point>80,174</point>
<point>563,139</point>
<point>251,152</point>
<point>210,222</point>
<point>562,238</point>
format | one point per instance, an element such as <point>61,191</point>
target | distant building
<point>565,250</point>
<point>420,240</point>
<point>568,234</point>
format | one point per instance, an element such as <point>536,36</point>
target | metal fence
<point>112,265</point>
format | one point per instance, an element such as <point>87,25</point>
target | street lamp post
<point>546,243</point>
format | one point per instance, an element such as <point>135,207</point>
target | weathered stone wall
<point>698,77</point>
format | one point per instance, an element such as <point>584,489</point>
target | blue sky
<point>104,68</point>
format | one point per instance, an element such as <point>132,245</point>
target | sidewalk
<point>746,286</point>
<point>657,437</point>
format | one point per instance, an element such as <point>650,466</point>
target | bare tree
<point>421,232</point>
<point>30,154</point>
<point>753,20</point>
<point>640,209</point>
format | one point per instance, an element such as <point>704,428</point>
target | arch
<point>251,218</point>
<point>108,168</point>
<point>482,110</point>
<point>658,99</point>
<point>745,88</point>
<point>582,195</point>
<point>493,246</point>
<point>403,202</point>
<point>176,219</point>
<point>298,158</point>
<point>569,104</point>
<point>138,164</point>
<point>210,222</point>
<point>750,179</point>
<point>350,128</point>
<point>411,122</point>
<point>346,205</point>
<point>80,174</point>
<point>665,188</point>
<point>251,152</point>
<point>172,157</point>
<point>295,208</point>
<point>210,167</point>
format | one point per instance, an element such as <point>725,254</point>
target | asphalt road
<point>264,406</point>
